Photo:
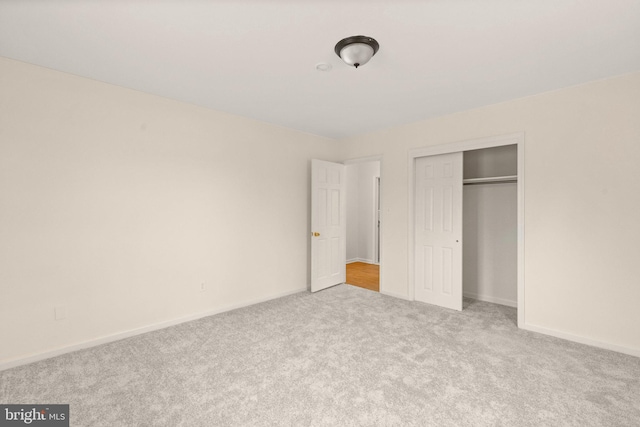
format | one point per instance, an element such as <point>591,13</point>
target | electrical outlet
<point>60,312</point>
<point>202,287</point>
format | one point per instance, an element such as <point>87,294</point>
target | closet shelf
<point>491,179</point>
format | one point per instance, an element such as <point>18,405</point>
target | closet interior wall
<point>490,226</point>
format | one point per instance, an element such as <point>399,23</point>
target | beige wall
<point>118,205</point>
<point>582,199</point>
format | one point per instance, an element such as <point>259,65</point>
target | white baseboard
<point>393,294</point>
<point>137,331</point>
<point>161,325</point>
<point>494,300</point>
<point>582,340</point>
<point>366,261</point>
<point>551,332</point>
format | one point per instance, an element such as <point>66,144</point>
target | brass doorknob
<point>315,234</point>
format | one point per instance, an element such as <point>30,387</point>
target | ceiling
<point>258,58</point>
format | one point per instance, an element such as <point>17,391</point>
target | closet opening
<point>490,225</point>
<point>466,223</point>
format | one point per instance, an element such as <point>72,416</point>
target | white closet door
<point>438,230</point>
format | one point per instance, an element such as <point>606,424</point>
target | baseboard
<point>138,331</point>
<point>582,340</point>
<point>366,261</point>
<point>393,294</point>
<point>551,332</point>
<point>494,300</point>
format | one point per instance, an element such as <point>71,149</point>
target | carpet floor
<point>341,357</point>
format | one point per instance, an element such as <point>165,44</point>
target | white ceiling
<point>257,58</point>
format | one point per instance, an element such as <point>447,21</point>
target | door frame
<point>376,221</point>
<point>375,158</point>
<point>461,146</point>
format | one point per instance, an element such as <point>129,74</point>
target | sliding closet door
<point>438,230</point>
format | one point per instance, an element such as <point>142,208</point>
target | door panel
<point>328,224</point>
<point>438,228</point>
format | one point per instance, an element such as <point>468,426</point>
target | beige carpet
<point>342,357</point>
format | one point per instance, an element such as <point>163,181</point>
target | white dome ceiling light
<point>357,50</point>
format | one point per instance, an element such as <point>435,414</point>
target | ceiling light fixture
<point>357,50</point>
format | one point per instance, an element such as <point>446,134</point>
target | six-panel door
<point>438,230</point>
<point>328,224</point>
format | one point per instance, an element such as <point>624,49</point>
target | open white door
<point>438,230</point>
<point>328,225</point>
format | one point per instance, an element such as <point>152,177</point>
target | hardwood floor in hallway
<point>364,275</point>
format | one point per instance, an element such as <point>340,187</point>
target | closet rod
<point>491,180</point>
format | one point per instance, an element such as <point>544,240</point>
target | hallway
<point>364,275</point>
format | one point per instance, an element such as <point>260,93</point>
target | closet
<point>466,237</point>
<point>490,225</point>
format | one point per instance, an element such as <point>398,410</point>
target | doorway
<point>363,223</point>
<point>364,275</point>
